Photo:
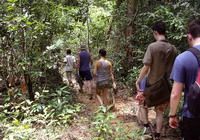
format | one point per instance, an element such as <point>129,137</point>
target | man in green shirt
<point>154,68</point>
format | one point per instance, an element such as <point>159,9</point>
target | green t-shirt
<point>159,56</point>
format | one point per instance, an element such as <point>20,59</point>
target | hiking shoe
<point>146,131</point>
<point>157,136</point>
<point>149,131</point>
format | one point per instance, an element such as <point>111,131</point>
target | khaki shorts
<point>104,84</point>
<point>162,107</point>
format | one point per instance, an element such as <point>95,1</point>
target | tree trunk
<point>29,85</point>
<point>126,31</point>
<point>129,30</point>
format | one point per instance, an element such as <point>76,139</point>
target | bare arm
<point>144,71</point>
<point>91,59</point>
<point>174,102</point>
<point>111,72</point>
<point>175,97</point>
<point>95,68</point>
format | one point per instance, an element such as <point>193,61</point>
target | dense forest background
<point>34,35</point>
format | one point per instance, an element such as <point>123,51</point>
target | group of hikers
<point>166,76</point>
<point>102,74</point>
<point>163,79</point>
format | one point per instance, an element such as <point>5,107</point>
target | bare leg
<point>159,120</point>
<point>98,94</point>
<point>69,77</point>
<point>105,96</point>
<point>88,87</point>
<point>144,114</point>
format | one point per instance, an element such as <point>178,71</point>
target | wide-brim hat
<point>83,47</point>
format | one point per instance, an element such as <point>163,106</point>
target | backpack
<point>193,97</point>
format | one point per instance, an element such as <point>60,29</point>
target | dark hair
<point>194,28</point>
<point>159,26</point>
<point>102,52</point>
<point>69,51</point>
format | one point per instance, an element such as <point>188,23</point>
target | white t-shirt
<point>69,60</point>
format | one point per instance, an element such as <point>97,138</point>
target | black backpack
<point>193,98</point>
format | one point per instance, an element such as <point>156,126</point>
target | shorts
<point>162,107</point>
<point>104,84</point>
<point>85,75</point>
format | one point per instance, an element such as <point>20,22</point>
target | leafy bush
<point>106,127</point>
<point>131,78</point>
<point>102,124</point>
<point>176,16</point>
<point>19,118</point>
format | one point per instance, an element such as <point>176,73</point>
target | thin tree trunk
<point>27,69</point>
<point>132,6</point>
<point>88,27</point>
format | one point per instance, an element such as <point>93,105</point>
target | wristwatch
<point>172,116</point>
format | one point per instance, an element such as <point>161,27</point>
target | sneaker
<point>146,130</point>
<point>149,129</point>
<point>157,136</point>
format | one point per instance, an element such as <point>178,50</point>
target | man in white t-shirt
<point>69,61</point>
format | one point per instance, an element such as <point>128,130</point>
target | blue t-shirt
<point>185,71</point>
<point>84,60</point>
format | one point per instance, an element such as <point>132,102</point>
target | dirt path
<point>125,112</point>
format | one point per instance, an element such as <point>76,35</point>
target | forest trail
<point>125,112</point>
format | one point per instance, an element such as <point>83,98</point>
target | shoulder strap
<point>196,53</point>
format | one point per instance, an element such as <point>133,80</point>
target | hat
<point>83,47</point>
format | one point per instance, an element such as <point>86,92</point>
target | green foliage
<point>102,123</point>
<point>176,17</point>
<point>18,130</point>
<point>34,33</point>
<point>51,108</point>
<point>175,14</point>
<point>133,75</point>
<point>106,127</point>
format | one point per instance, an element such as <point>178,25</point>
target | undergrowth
<point>22,119</point>
<point>106,127</point>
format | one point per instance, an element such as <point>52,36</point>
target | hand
<point>140,97</point>
<point>173,122</point>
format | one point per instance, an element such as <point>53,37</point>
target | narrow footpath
<point>125,111</point>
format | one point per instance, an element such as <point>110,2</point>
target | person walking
<point>184,74</point>
<point>70,62</point>
<point>84,66</point>
<point>104,78</point>
<point>154,69</point>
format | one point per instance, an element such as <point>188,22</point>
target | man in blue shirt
<point>84,65</point>
<point>184,74</point>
